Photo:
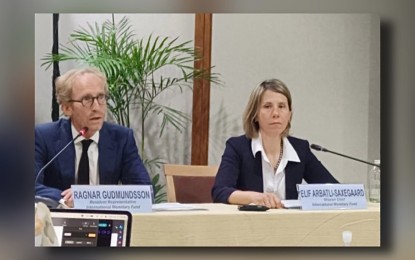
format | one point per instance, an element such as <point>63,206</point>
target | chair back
<point>189,183</point>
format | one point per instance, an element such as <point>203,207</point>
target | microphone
<point>49,202</point>
<point>319,148</point>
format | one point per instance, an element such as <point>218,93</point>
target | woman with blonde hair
<point>264,165</point>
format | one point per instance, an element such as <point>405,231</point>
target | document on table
<point>175,206</point>
<point>291,204</point>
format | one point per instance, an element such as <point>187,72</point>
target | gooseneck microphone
<point>319,148</point>
<point>48,201</point>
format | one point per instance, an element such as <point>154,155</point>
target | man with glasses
<point>105,154</point>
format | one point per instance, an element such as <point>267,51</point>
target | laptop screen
<point>92,228</point>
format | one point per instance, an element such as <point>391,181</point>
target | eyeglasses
<point>88,101</point>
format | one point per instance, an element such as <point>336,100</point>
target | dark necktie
<point>83,169</point>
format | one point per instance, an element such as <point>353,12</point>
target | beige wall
<point>330,62</point>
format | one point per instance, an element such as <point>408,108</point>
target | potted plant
<point>138,71</point>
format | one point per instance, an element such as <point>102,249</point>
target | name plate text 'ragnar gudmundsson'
<point>133,198</point>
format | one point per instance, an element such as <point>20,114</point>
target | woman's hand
<point>269,200</point>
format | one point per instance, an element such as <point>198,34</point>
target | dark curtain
<point>56,72</point>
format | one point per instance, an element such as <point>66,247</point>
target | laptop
<point>92,228</point>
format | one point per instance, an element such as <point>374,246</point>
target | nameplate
<point>133,198</point>
<point>331,196</point>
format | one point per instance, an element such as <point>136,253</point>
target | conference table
<point>222,225</point>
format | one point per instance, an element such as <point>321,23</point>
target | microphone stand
<point>319,148</point>
<point>54,157</point>
<point>50,203</point>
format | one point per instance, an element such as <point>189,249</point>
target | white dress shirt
<point>92,156</point>
<point>274,181</point>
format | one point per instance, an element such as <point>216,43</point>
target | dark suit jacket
<point>240,170</point>
<point>118,158</point>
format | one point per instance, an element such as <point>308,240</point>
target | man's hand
<point>67,196</point>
